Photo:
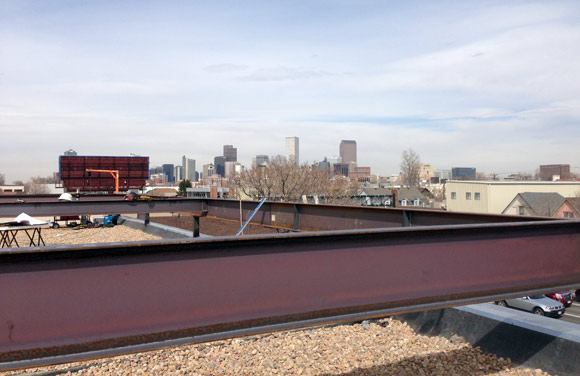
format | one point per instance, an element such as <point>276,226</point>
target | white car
<point>538,304</point>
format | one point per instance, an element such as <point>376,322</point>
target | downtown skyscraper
<point>292,150</point>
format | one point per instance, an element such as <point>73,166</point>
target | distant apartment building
<point>494,196</point>
<point>347,151</point>
<point>554,172</point>
<point>293,150</point>
<point>188,169</point>
<point>463,173</point>
<point>230,153</point>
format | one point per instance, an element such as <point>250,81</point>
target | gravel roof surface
<point>382,347</point>
<point>66,235</point>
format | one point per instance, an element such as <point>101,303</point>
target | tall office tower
<point>220,166</point>
<point>188,169</point>
<point>178,173</point>
<point>348,151</point>
<point>208,170</point>
<point>70,153</point>
<point>168,171</point>
<point>292,150</point>
<point>232,169</point>
<point>230,153</point>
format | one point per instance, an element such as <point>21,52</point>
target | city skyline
<point>482,84</point>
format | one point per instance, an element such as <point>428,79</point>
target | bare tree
<point>282,180</point>
<point>2,179</point>
<point>333,190</point>
<point>481,176</point>
<point>410,162</point>
<point>36,186</point>
<point>279,180</point>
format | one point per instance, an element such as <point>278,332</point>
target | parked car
<point>538,304</point>
<point>562,297</point>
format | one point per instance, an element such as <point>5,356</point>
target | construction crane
<point>114,173</point>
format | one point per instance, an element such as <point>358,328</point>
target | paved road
<point>572,313</point>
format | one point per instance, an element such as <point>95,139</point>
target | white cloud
<point>479,84</point>
<point>283,74</point>
<point>225,68</point>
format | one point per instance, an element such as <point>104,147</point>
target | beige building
<point>12,189</point>
<point>494,196</point>
<point>426,172</point>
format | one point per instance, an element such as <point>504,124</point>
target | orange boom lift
<point>114,173</point>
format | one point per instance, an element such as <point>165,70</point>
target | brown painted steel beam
<point>291,216</point>
<point>67,299</point>
<point>100,206</point>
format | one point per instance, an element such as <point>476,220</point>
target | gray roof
<point>411,194</point>
<point>376,191</point>
<point>542,203</point>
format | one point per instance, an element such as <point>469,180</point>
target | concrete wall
<point>528,340</point>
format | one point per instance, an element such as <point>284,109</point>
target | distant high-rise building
<point>260,160</point>
<point>230,153</point>
<point>325,164</point>
<point>426,172</point>
<point>156,170</point>
<point>208,170</point>
<point>168,171</point>
<point>340,169</point>
<point>334,160</point>
<point>348,151</point>
<point>188,169</point>
<point>232,169</point>
<point>178,173</point>
<point>293,150</point>
<point>220,165</point>
<point>70,153</point>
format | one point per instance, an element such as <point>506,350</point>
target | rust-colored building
<point>133,172</point>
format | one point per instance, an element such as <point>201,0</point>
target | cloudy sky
<point>489,84</point>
